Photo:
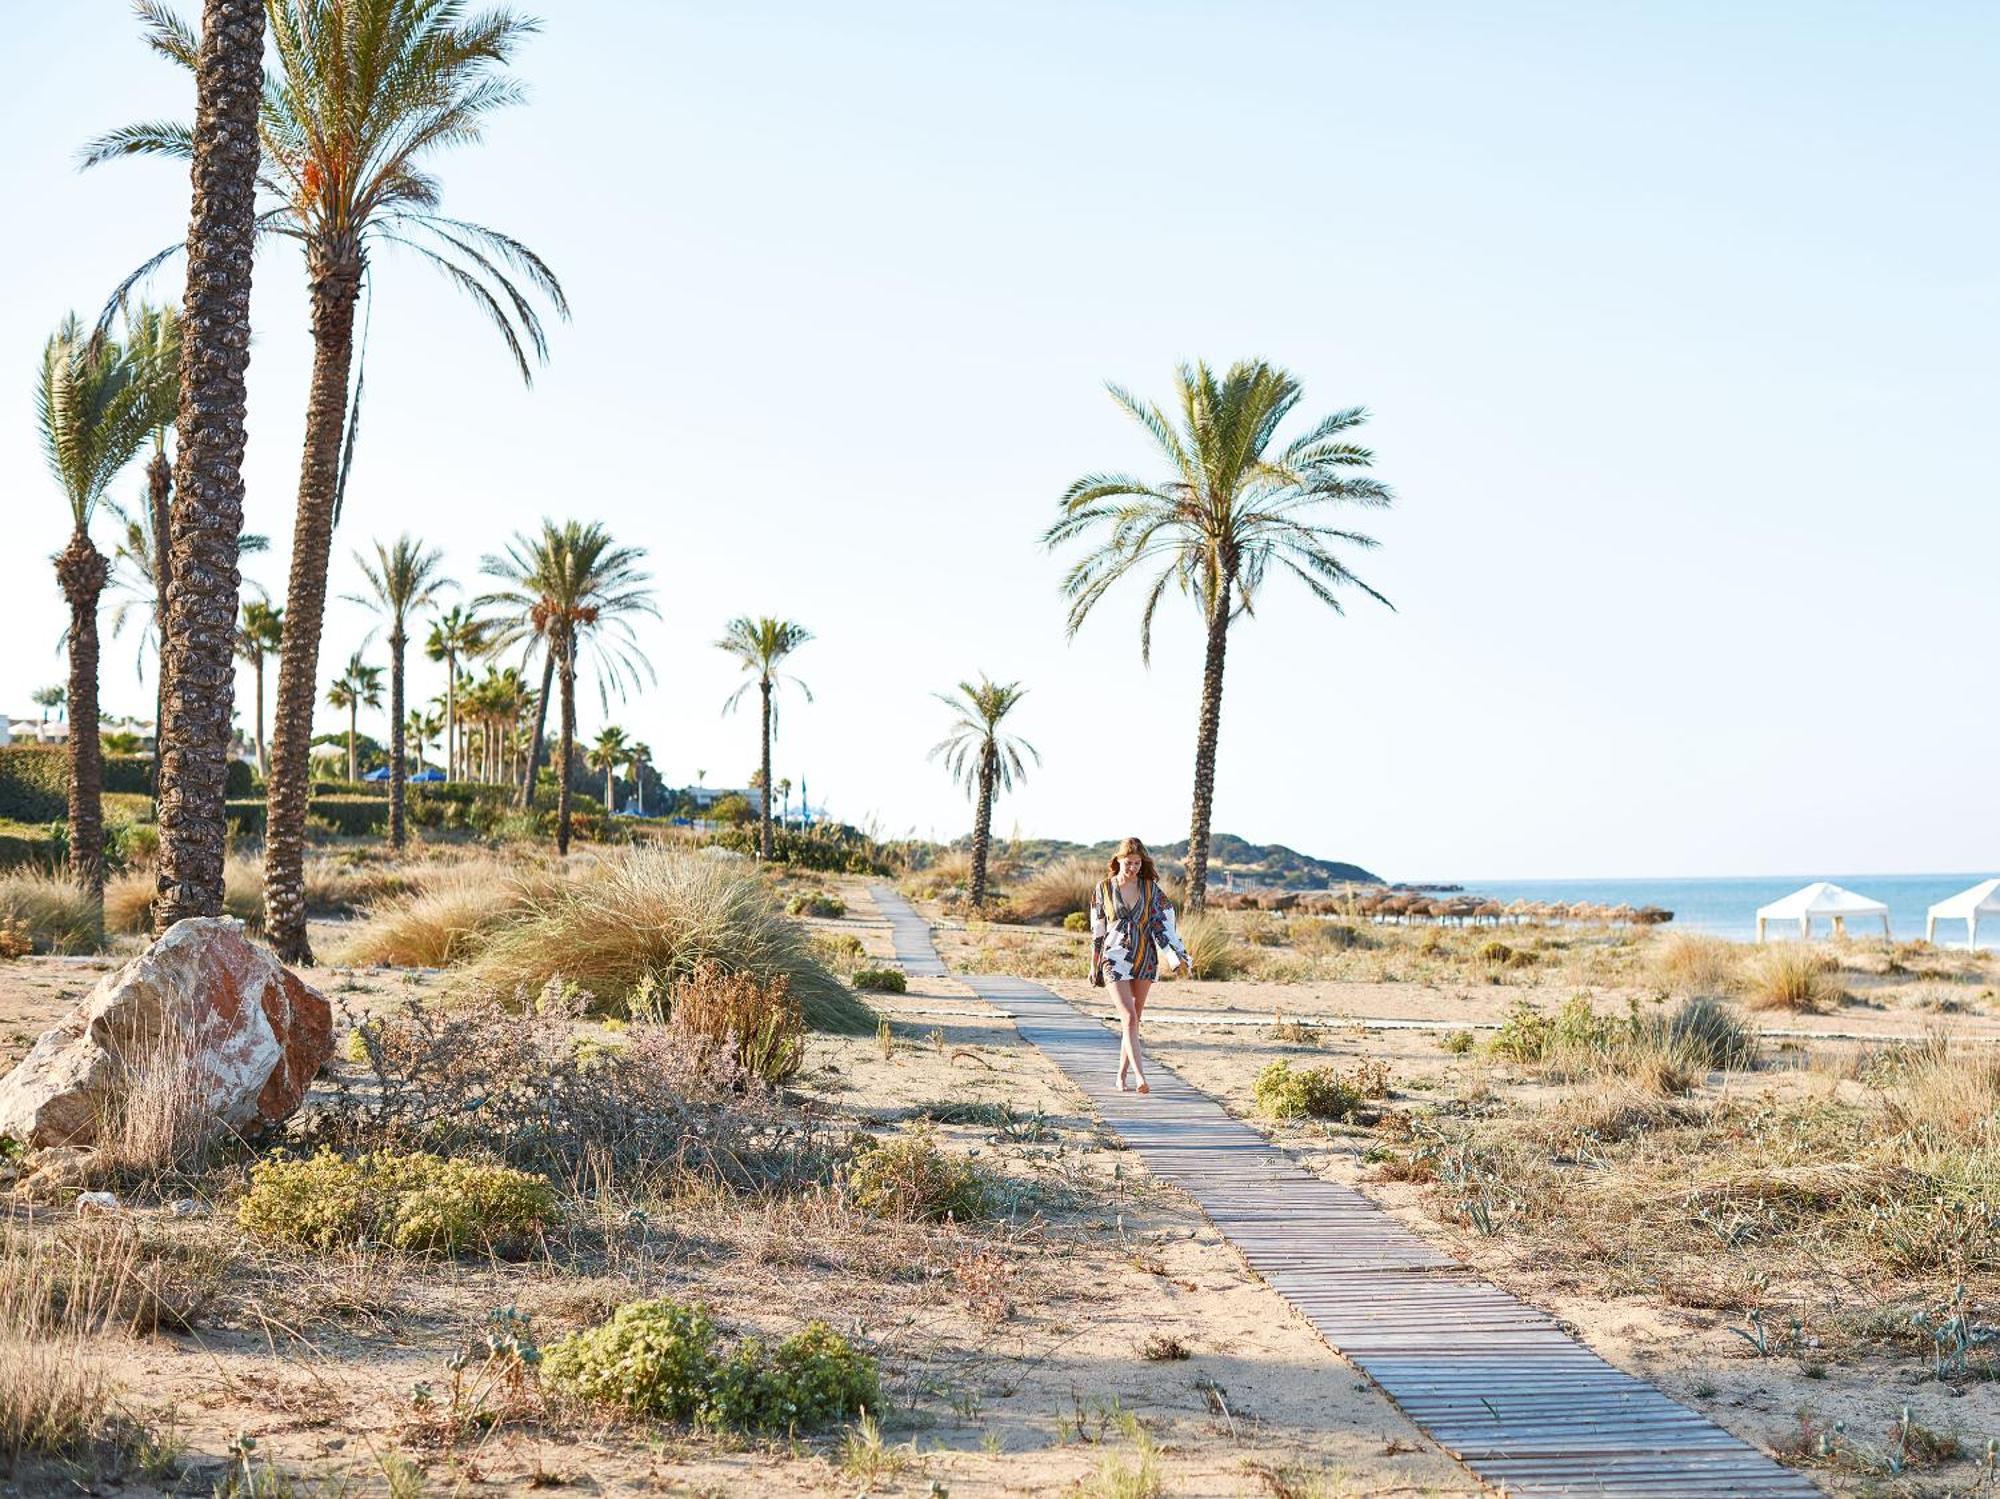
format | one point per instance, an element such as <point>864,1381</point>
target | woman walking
<point>1130,922</point>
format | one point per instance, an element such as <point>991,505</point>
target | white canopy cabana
<point>1968,906</point>
<point>1821,899</point>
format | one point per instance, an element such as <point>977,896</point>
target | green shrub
<point>1076,921</point>
<point>663,1359</point>
<point>350,816</point>
<point>817,903</point>
<point>1529,1036</point>
<point>911,1178</point>
<point>1495,952</point>
<point>419,1203</point>
<point>1456,1043</point>
<point>831,847</point>
<point>1283,1091</point>
<point>34,782</point>
<point>881,980</point>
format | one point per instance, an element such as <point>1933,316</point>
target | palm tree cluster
<point>331,150</point>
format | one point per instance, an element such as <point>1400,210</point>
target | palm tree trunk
<point>567,743</point>
<point>198,540</point>
<point>451,716</point>
<point>263,757</point>
<point>82,570</point>
<point>397,641</point>
<point>609,791</point>
<point>334,287</point>
<point>764,837</point>
<point>541,723</point>
<point>159,489</point>
<point>353,728</point>
<point>1204,752</point>
<point>982,824</point>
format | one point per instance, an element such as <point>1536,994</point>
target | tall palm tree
<point>420,729</point>
<point>358,687</point>
<point>580,591</point>
<point>403,578</point>
<point>1231,509</point>
<point>259,636</point>
<point>760,646</point>
<point>92,411</point>
<point>982,759</point>
<point>364,93</point>
<point>457,634</point>
<point>196,560</point>
<point>607,753</point>
<point>642,756</point>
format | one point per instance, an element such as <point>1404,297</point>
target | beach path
<point>1495,1381</point>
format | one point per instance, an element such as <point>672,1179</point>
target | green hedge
<point>34,780</point>
<point>351,815</point>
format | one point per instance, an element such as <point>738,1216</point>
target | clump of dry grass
<point>1056,889</point>
<point>755,1020</point>
<point>124,1275</point>
<point>650,916</point>
<point>447,920</point>
<point>1213,949</point>
<point>1944,1092</point>
<point>1691,963</point>
<point>642,1105</point>
<point>160,1122</point>
<point>128,899</point>
<point>1793,977</point>
<point>52,913</point>
<point>56,1406</point>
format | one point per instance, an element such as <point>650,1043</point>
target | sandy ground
<point>1008,1351</point>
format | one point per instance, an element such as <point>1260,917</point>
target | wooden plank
<point>1492,1379</point>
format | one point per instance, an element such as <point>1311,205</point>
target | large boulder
<point>255,1033</point>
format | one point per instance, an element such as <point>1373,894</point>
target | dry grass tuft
<point>1792,977</point>
<point>56,1406</point>
<point>1213,950</point>
<point>128,900</point>
<point>646,916</point>
<point>161,1123</point>
<point>754,1020</point>
<point>1688,963</point>
<point>1056,889</point>
<point>446,922</point>
<point>50,912</point>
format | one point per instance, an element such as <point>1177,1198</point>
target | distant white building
<point>707,796</point>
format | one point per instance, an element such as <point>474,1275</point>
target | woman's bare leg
<point>1128,1033</point>
<point>1140,989</point>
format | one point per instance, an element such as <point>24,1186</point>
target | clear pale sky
<point>1678,324</point>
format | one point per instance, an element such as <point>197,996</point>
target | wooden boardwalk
<point>1492,1379</point>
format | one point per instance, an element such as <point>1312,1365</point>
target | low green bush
<point>912,1178</point>
<point>1077,921</point>
<point>1495,952</point>
<point>1457,1043</point>
<point>881,980</point>
<point>423,1204</point>
<point>665,1359</point>
<point>816,903</point>
<point>1283,1091</point>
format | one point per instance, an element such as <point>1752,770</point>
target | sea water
<point>1728,907</point>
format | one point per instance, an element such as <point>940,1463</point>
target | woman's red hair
<point>1134,846</point>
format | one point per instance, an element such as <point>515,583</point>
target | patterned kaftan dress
<point>1129,938</point>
